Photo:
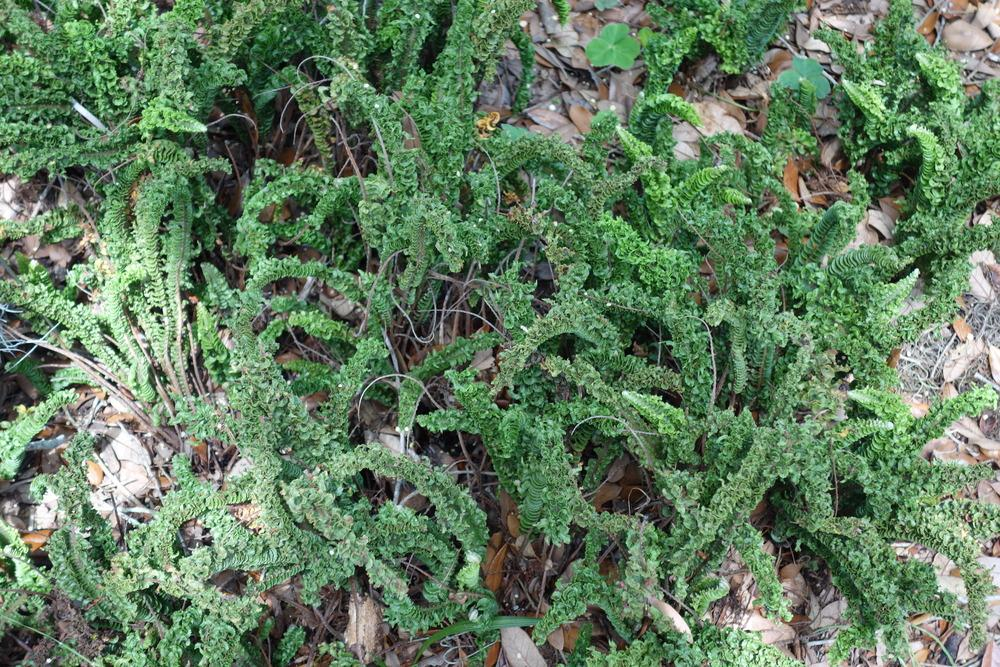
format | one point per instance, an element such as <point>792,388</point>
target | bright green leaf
<point>808,69</point>
<point>614,46</point>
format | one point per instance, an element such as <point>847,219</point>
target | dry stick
<point>160,390</point>
<point>193,354</point>
<point>99,374</point>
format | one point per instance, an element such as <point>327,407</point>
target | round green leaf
<point>614,46</point>
<point>805,68</point>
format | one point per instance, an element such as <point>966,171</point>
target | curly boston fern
<point>685,315</point>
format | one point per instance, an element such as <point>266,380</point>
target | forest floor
<point>567,91</point>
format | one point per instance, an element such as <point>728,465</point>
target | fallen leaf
<point>829,153</point>
<point>969,429</point>
<point>95,474</point>
<point>493,655</point>
<point>715,119</point>
<point>794,583</point>
<point>929,24</point>
<point>55,253</point>
<point>547,117</point>
<point>991,656</point>
<point>556,639</point>
<point>519,650</point>
<point>962,358</point>
<point>496,555</point>
<point>994,357</point>
<point>961,35</point>
<point>980,285</point>
<point>917,408</point>
<point>670,614</point>
<point>881,223</point>
<point>962,328</point>
<point>686,137</point>
<point>771,631</point>
<point>605,493</point>
<point>790,178</point>
<point>36,539</point>
<point>126,459</point>
<point>986,15</point>
<point>830,615</point>
<point>580,117</point>
<point>570,635</point>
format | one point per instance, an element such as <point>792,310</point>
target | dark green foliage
<point>15,435</point>
<point>739,31</point>
<point>684,315</point>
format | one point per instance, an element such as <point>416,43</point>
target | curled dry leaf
<point>794,583</point>
<point>991,656</point>
<point>962,328</point>
<point>986,15</point>
<point>830,615</point>
<point>969,429</point>
<point>790,177</point>
<point>994,357</point>
<point>126,459</point>
<point>961,35</point>
<point>929,25</point>
<point>519,650</point>
<point>496,555</point>
<point>881,222</point>
<point>980,285</point>
<point>962,358</point>
<point>95,474</point>
<point>716,119</point>
<point>771,631</point>
<point>671,615</point>
<point>580,117</point>
<point>36,539</point>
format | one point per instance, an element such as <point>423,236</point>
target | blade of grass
<point>471,626</point>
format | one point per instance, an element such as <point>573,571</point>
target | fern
<point>682,317</point>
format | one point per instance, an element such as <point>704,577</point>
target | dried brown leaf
<point>986,15</point>
<point>962,358</point>
<point>580,117</point>
<point>790,178</point>
<point>716,119</point>
<point>994,357</point>
<point>771,631</point>
<point>981,286</point>
<point>519,650</point>
<point>496,555</point>
<point>830,615</point>
<point>95,474</point>
<point>962,328</point>
<point>126,459</point>
<point>547,117</point>
<point>929,25</point>
<point>969,429</point>
<point>670,614</point>
<point>991,656</point>
<point>36,539</point>
<point>794,583</point>
<point>961,35</point>
<point>881,223</point>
